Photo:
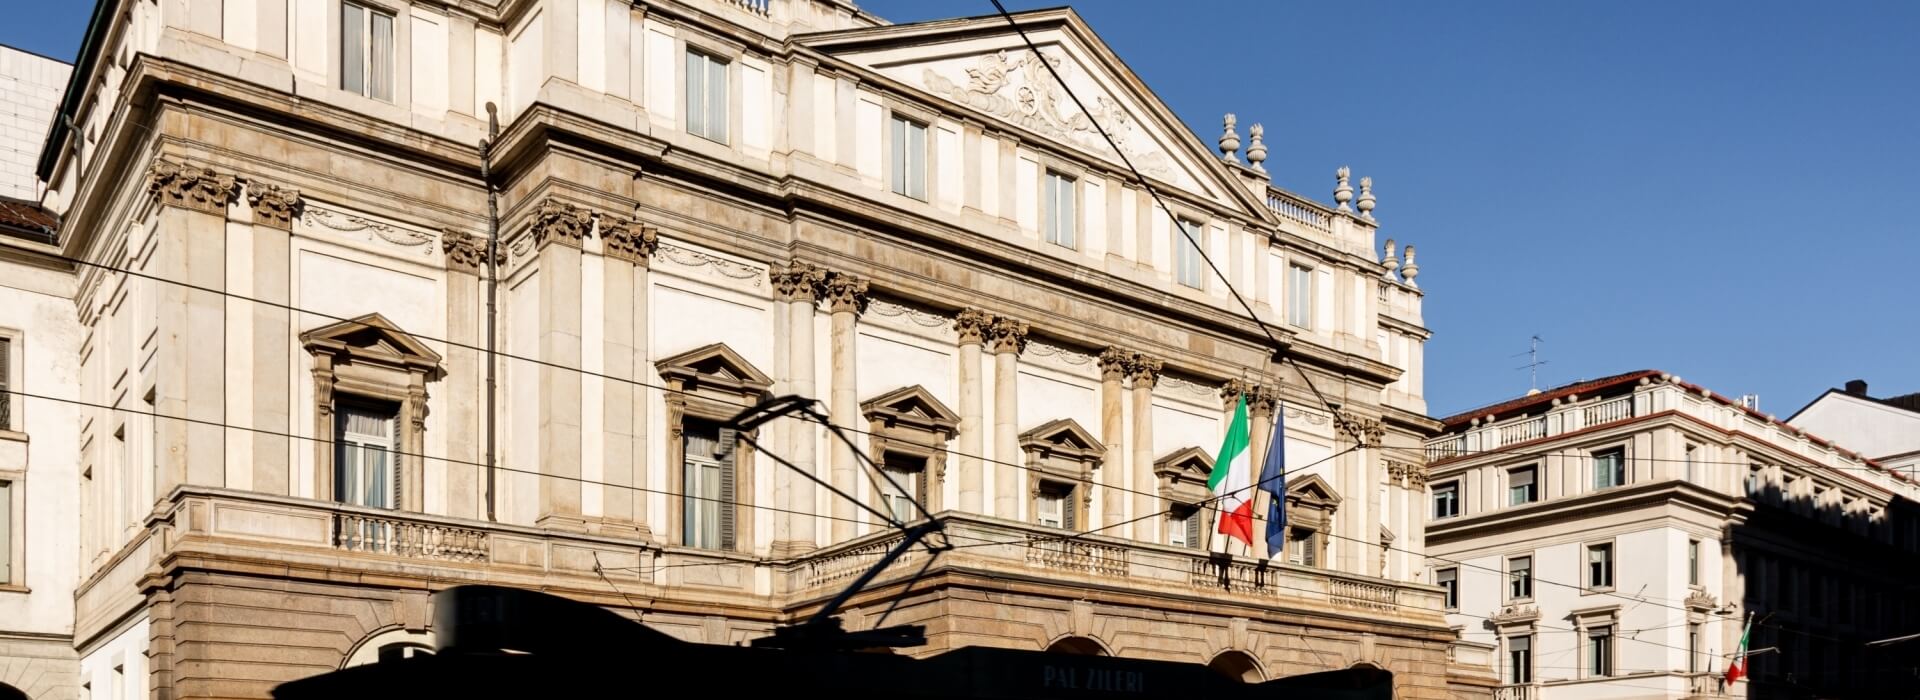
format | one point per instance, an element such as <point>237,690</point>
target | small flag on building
<point>1230,480</point>
<point>1738,669</point>
<point>1273,480</point>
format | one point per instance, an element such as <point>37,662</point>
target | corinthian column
<point>846,298</point>
<point>1144,372</point>
<point>466,256</point>
<point>558,229</point>
<point>1008,337</point>
<point>799,284</point>
<point>628,248</point>
<point>274,211</point>
<point>1113,484</point>
<point>972,326</point>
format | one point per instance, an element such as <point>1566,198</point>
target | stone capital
<point>465,251</point>
<point>798,281</point>
<point>972,325</point>
<point>1262,401</point>
<point>555,221</point>
<point>1007,335</point>
<point>1361,429</point>
<point>193,187</point>
<point>1232,391</point>
<point>274,206</point>
<point>1143,371</point>
<point>1113,364</point>
<point>845,292</point>
<point>629,240</point>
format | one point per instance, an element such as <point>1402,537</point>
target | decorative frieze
<point>374,231</point>
<point>972,325</point>
<point>466,252</point>
<point>799,281</point>
<point>1040,349</point>
<point>628,240</point>
<point>1007,335</point>
<point>274,206</point>
<point>555,221</point>
<point>924,319</point>
<point>845,292</point>
<point>193,187</point>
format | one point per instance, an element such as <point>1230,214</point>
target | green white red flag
<point>1232,478</point>
<point>1738,669</point>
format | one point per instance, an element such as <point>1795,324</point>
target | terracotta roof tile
<point>1584,386</point>
<point>24,215</point>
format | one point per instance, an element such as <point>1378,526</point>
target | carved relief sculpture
<point>466,252</point>
<point>799,281</point>
<point>1008,335</point>
<point>972,326</point>
<point>846,292</point>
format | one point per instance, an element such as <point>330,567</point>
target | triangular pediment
<point>372,336</point>
<point>913,405</point>
<point>1188,464</point>
<point>1313,489</point>
<point>983,66</point>
<point>715,364</point>
<point>1064,434</point>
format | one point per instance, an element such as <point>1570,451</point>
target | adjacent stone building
<point>1885,427</point>
<point>30,87</point>
<point>1609,538</point>
<point>288,296</point>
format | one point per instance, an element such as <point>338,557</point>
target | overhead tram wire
<point>1277,347</point>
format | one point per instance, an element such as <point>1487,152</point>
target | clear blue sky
<point>1712,187</point>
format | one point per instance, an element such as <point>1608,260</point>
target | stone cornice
<point>192,186</point>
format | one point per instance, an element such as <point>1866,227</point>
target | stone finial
<point>1342,192</point>
<point>1257,147</point>
<point>465,251</point>
<point>1411,270</point>
<point>1392,260</point>
<point>798,281</point>
<point>1143,371</point>
<point>972,325</point>
<point>629,240</point>
<point>1113,363</point>
<point>555,221</point>
<point>846,293</point>
<point>193,187</point>
<point>1229,141</point>
<point>1365,205</point>
<point>274,206</point>
<point>1007,335</point>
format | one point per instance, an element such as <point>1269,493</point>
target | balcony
<point>1517,691</point>
<point>1558,419</point>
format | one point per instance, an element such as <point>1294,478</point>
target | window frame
<point>901,167</point>
<point>1609,569</point>
<point>896,464</point>
<point>1452,487</point>
<point>1062,493</point>
<point>1450,587</point>
<point>1515,583</point>
<point>390,412</point>
<point>1533,484</point>
<point>365,55</point>
<point>1519,672</point>
<point>1052,230</point>
<point>1598,661</point>
<point>1299,292</point>
<point>725,530</point>
<point>1693,562</point>
<point>13,531</point>
<point>1619,452</point>
<point>13,423</point>
<point>710,59</point>
<point>1197,244</point>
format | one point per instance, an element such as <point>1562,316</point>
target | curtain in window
<point>1060,210</point>
<point>353,50</point>
<point>6,532</point>
<point>380,79</point>
<point>364,470</point>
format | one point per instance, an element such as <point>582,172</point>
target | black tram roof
<point>511,643</point>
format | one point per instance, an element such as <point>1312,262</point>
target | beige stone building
<point>286,297</point>
<point>1609,539</point>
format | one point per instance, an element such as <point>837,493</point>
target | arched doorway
<point>1078,646</point>
<point>388,645</point>
<point>1237,665</point>
<point>8,692</point>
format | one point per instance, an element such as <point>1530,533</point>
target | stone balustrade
<point>1300,210</point>
<point>1517,691</point>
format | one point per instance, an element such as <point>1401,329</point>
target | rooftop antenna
<point>1533,364</point>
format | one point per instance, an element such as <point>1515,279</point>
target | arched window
<point>1077,646</point>
<point>387,645</point>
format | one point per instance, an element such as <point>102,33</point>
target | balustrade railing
<point>1054,553</point>
<point>1368,596</point>
<point>1517,691</point>
<point>1521,431</point>
<point>354,532</point>
<point>831,568</point>
<point>1299,210</point>
<point>1447,447</point>
<point>1608,411</point>
<point>758,7</point>
<point>1233,577</point>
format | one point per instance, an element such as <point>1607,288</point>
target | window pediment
<point>1314,492</point>
<point>1062,440</point>
<point>1183,475</point>
<point>912,408</point>
<point>714,368</point>
<point>371,339</point>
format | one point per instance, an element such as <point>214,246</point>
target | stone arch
<point>8,692</point>
<point>387,643</point>
<point>1078,646</point>
<point>1238,665</point>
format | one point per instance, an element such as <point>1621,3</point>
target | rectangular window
<point>1057,205</point>
<point>1300,296</point>
<point>1449,582</point>
<point>1600,652</point>
<point>899,496</point>
<point>1302,546</point>
<point>1184,531</point>
<point>366,51</point>
<point>6,532</point>
<point>1609,468</point>
<point>1187,239</point>
<point>909,158</point>
<point>6,373</point>
<point>1520,659</point>
<point>1693,647</point>
<point>365,467</point>
<point>1446,500</point>
<point>1753,480</point>
<point>707,96</point>
<point>1520,578</point>
<point>1055,506</point>
<point>1521,488</point>
<point>1691,450</point>
<point>1693,562</point>
<point>1600,566</point>
<point>707,464</point>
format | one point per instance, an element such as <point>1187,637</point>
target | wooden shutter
<point>1309,547</point>
<point>1193,528</point>
<point>729,447</point>
<point>1068,508</point>
<point>6,400</point>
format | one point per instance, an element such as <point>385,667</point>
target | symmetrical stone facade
<point>310,444</point>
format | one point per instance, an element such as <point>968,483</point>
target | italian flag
<point>1738,669</point>
<point>1231,479</point>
